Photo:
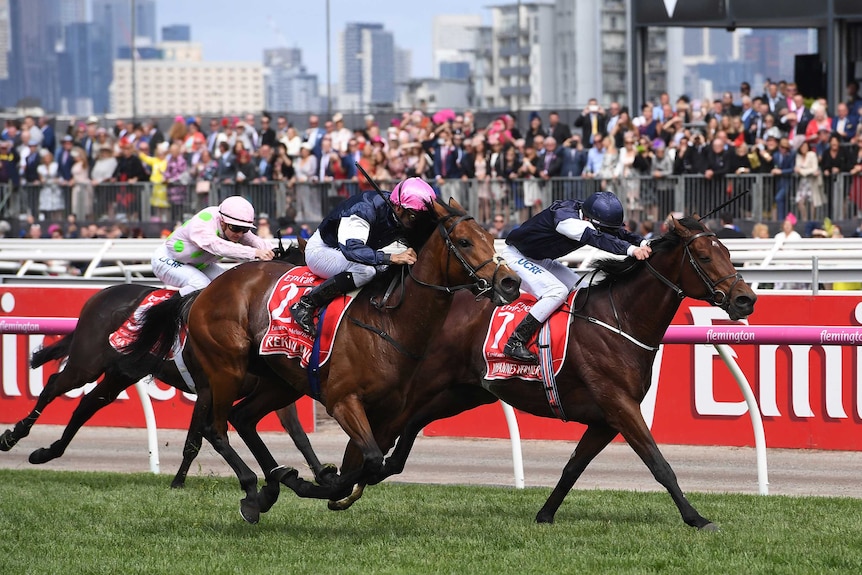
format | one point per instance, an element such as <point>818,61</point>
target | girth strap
<point>386,337</point>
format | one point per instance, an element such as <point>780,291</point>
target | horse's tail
<point>158,331</point>
<point>56,351</point>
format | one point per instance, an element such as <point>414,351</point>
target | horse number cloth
<point>126,332</point>
<point>284,336</point>
<point>504,320</point>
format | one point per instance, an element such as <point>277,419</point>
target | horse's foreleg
<point>289,418</point>
<point>58,384</point>
<point>352,460</point>
<point>594,440</point>
<point>103,394</point>
<point>634,429</point>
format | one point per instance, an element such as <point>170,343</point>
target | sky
<point>242,29</point>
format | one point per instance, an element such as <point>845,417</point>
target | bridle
<point>480,286</point>
<point>718,298</point>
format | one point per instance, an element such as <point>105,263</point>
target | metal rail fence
<point>768,199</point>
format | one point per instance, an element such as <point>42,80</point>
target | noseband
<point>480,285</point>
<point>717,297</point>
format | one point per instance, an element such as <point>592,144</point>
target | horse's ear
<point>301,242</point>
<point>453,203</point>
<point>675,225</point>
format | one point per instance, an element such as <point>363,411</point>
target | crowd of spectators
<point>777,132</point>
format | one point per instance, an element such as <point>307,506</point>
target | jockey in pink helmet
<point>187,259</point>
<point>348,247</point>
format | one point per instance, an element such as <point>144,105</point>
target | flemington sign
<point>809,387</point>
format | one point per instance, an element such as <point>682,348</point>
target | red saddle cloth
<point>504,320</point>
<point>126,332</point>
<point>284,336</point>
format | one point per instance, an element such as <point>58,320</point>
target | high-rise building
<point>35,34</point>
<point>85,70</point>
<point>4,39</point>
<point>177,33</point>
<point>367,75</point>
<point>115,16</point>
<point>287,57</point>
<point>453,39</point>
<point>403,69</point>
<point>288,87</point>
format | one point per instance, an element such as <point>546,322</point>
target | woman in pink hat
<point>353,243</point>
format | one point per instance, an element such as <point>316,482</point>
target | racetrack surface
<point>472,461</point>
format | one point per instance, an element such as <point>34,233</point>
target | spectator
<point>647,124</point>
<point>784,163</point>
<point>717,167</point>
<point>854,98</point>
<point>314,134</point>
<point>9,162</point>
<point>833,162</point>
<point>203,173</point>
<point>623,126</point>
<point>727,230</point>
<point>498,228</point>
<point>739,161</point>
<point>760,231</point>
<point>819,121</point>
<point>536,128</point>
<point>178,179</point>
<point>267,136</point>
<point>264,164</point>
<point>177,131</point>
<point>529,171</point>
<point>809,188</point>
<point>32,160</point>
<point>82,190</point>
<point>308,205</point>
<point>51,200</point>
<point>843,124</point>
<point>226,164</point>
<point>558,130</point>
<point>158,167</point>
<point>592,122</point>
<point>855,195</point>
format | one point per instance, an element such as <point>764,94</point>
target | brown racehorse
<point>376,350</point>
<point>89,356</point>
<point>605,375</point>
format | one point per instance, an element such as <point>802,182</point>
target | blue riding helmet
<point>603,210</point>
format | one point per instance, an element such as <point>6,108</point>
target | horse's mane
<point>614,268</point>
<point>426,224</point>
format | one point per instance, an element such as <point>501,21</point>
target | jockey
<point>532,250</point>
<point>346,249</point>
<point>186,260</point>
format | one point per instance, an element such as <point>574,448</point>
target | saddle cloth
<point>504,320</point>
<point>126,332</point>
<point>284,336</point>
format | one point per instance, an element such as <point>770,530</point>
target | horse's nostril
<point>511,285</point>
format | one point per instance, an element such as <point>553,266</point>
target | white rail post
<point>150,418</point>
<point>515,438</point>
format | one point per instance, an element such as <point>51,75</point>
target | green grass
<point>95,523</point>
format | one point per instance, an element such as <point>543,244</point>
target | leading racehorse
<point>616,327</point>
<point>376,351</point>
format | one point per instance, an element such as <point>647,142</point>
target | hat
<point>377,140</point>
<point>369,117</point>
<point>307,146</point>
<point>179,119</point>
<point>534,115</point>
<point>92,120</point>
<point>773,133</point>
<point>338,117</point>
<point>791,218</point>
<point>68,138</point>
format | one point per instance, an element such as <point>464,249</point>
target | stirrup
<point>517,350</point>
<point>303,314</point>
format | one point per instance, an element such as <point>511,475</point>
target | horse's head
<point>706,272</point>
<point>466,258</point>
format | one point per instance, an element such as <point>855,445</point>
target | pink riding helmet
<point>413,194</point>
<point>238,211</point>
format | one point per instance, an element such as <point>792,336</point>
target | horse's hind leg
<point>103,394</point>
<point>630,422</point>
<point>59,383</point>
<point>194,439</point>
<point>594,440</point>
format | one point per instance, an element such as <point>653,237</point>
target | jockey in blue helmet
<point>532,250</point>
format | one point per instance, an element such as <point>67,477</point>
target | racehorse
<point>617,325</point>
<point>89,356</point>
<point>374,355</point>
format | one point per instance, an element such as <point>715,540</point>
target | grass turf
<point>104,523</point>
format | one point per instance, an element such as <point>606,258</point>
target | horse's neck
<point>647,302</point>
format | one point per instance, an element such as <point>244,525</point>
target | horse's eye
<point>705,259</point>
<point>464,243</point>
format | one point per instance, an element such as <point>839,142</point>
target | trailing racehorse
<point>89,356</point>
<point>375,352</point>
<point>617,325</point>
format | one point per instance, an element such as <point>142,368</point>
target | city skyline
<point>272,26</point>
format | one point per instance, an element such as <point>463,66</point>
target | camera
<point>594,108</point>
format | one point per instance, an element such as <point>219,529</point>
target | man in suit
<point>783,163</point>
<point>49,139</point>
<point>844,124</point>
<point>727,229</point>
<point>777,104</point>
<point>154,134</point>
<point>30,174</point>
<point>592,122</point>
<point>65,161</point>
<point>313,135</point>
<point>559,131</point>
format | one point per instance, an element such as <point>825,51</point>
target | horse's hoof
<point>327,475</point>
<point>41,455</point>
<point>267,496</point>
<point>544,518</point>
<point>710,528</point>
<point>340,505</point>
<point>249,511</point>
<point>178,483</point>
<point>7,440</point>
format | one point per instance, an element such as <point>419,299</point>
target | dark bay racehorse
<point>89,356</point>
<point>376,349</point>
<point>605,375</point>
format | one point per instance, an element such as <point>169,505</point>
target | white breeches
<point>186,277</point>
<point>547,279</point>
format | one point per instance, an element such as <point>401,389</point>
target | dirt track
<point>475,461</point>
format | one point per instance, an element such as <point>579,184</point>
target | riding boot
<point>303,310</point>
<point>516,347</point>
